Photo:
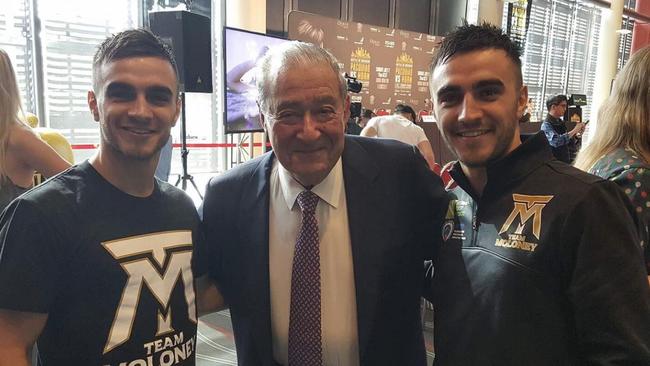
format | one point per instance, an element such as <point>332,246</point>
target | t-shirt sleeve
<point>420,135</point>
<point>373,123</point>
<point>607,286</point>
<point>207,253</point>
<point>199,260</point>
<point>30,259</point>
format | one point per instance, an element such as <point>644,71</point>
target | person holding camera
<point>562,140</point>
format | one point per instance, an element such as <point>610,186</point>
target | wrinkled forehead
<point>305,76</point>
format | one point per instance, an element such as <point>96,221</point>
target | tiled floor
<point>216,346</point>
<point>215,342</point>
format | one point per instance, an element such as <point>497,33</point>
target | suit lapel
<point>254,234</point>
<point>359,172</point>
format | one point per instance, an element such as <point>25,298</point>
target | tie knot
<point>307,200</point>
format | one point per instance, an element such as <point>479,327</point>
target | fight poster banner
<point>392,64</point>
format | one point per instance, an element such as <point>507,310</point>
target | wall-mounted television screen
<point>242,49</point>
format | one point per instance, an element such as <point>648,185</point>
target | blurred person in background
<point>366,115</point>
<point>427,110</point>
<point>401,127</point>
<point>22,151</point>
<point>559,137</point>
<point>620,148</point>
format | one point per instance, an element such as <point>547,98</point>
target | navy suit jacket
<point>395,209</point>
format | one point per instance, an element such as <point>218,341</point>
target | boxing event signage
<point>392,64</point>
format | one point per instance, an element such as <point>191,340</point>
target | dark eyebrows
<point>479,85</point>
<point>448,89</point>
<point>118,86</point>
<point>162,90</point>
<point>489,83</point>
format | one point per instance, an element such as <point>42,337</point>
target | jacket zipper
<point>475,223</point>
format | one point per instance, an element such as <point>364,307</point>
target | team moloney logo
<point>153,262</point>
<point>525,208</point>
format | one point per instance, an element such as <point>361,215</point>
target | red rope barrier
<point>194,145</point>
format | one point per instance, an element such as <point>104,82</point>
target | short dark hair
<point>131,43</point>
<point>367,113</point>
<point>555,100</point>
<point>403,108</point>
<point>469,37</point>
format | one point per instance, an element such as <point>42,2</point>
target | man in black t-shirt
<point>95,264</point>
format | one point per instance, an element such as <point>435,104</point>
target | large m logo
<point>172,253</point>
<point>526,207</point>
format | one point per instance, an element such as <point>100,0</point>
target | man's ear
<point>92,104</point>
<point>522,101</point>
<point>262,117</point>
<point>346,110</point>
<point>434,111</point>
<point>178,110</point>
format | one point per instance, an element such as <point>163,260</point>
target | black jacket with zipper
<point>544,268</point>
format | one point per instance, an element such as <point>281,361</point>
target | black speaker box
<point>188,34</point>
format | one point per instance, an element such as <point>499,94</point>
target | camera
<point>354,85</point>
<point>355,109</point>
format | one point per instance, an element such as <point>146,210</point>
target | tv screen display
<point>242,49</point>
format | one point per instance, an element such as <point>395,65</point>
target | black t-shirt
<point>112,271</point>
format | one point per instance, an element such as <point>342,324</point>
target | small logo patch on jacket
<point>449,231</point>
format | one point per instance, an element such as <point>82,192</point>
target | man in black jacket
<point>540,262</point>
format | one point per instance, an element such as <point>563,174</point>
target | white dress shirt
<point>338,299</point>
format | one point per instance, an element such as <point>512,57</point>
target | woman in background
<point>620,148</point>
<point>21,150</point>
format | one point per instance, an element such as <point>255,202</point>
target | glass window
<point>71,30</point>
<point>561,50</point>
<point>16,38</point>
<point>584,53</point>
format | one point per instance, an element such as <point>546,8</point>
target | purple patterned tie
<point>304,314</point>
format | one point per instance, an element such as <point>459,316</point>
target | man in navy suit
<point>338,285</point>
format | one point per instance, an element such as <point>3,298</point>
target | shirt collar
<point>553,119</point>
<point>527,157</point>
<point>329,190</point>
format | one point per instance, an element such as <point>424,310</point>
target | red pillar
<point>641,33</point>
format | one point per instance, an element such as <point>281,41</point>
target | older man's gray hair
<point>281,59</point>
